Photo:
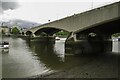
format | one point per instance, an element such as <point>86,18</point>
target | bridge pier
<point>87,44</point>
<point>33,35</point>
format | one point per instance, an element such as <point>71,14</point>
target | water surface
<point>26,59</point>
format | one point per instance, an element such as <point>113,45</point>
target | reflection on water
<point>47,54</point>
<point>25,58</point>
<point>5,51</point>
<point>20,62</point>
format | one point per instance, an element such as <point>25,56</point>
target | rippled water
<point>25,59</point>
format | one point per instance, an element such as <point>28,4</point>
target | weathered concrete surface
<point>84,20</point>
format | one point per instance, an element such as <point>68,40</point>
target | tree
<point>15,30</point>
<point>116,35</point>
<point>62,33</point>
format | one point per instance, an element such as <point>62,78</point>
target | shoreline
<point>101,66</point>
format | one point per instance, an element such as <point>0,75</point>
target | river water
<point>26,59</point>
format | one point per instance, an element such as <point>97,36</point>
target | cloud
<point>8,5</point>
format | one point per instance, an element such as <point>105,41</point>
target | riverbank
<point>96,66</point>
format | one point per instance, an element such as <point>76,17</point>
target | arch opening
<point>48,31</point>
<point>28,33</point>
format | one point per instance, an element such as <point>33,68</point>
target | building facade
<point>4,30</point>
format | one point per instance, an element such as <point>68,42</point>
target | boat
<point>57,38</point>
<point>4,45</point>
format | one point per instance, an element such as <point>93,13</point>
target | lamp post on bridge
<point>92,5</point>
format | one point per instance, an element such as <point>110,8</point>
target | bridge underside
<point>49,31</point>
<point>107,28</point>
<point>96,39</point>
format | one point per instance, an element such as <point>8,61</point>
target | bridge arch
<point>29,33</point>
<point>48,30</point>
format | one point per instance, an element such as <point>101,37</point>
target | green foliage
<point>15,30</point>
<point>62,33</point>
<point>43,34</point>
<point>116,35</point>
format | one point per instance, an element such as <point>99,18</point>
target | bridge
<point>90,31</point>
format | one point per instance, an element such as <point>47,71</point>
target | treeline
<point>116,35</point>
<point>62,33</point>
<point>15,30</point>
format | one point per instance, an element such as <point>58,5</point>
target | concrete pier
<point>88,45</point>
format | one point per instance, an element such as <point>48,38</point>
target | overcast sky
<point>43,10</point>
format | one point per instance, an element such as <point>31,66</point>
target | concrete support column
<point>70,42</point>
<point>71,37</point>
<point>107,44</point>
<point>119,45</point>
<point>33,35</point>
<point>97,44</point>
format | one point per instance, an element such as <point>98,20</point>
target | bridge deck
<point>85,20</point>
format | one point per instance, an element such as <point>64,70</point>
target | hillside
<point>20,23</point>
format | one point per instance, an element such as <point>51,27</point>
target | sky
<point>41,11</point>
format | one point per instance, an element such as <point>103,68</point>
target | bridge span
<point>89,31</point>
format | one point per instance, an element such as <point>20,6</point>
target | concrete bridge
<point>90,31</point>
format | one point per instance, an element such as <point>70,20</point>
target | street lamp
<point>92,5</point>
<point>48,20</point>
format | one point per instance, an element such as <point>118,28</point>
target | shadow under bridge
<point>96,39</point>
<point>48,31</point>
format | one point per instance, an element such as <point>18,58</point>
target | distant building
<point>4,30</point>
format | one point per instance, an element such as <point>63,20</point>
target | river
<point>26,59</point>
